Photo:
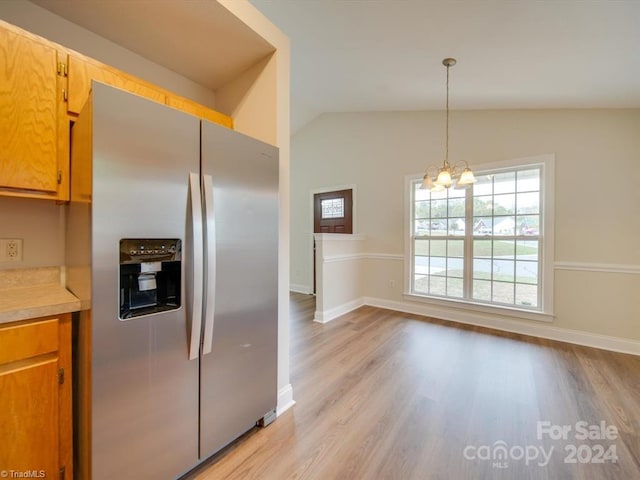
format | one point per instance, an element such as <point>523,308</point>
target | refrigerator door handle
<point>210,228</point>
<point>197,280</point>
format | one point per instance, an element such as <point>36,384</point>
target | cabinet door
<point>29,106</point>
<point>35,397</point>
<point>84,69</point>
<point>29,416</point>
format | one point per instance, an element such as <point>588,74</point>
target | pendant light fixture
<point>460,175</point>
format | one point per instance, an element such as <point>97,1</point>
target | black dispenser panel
<point>150,276</point>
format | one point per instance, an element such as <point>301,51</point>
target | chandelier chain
<point>460,174</point>
<point>446,154</point>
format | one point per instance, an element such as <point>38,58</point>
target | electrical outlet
<point>10,249</point>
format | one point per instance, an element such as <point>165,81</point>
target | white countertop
<point>33,293</point>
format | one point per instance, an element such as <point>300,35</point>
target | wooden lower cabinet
<point>35,398</point>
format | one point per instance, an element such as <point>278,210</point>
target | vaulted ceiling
<point>367,55</point>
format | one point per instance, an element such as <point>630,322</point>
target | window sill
<point>517,313</point>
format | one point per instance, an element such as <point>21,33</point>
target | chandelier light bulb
<point>444,178</point>
<point>467,177</point>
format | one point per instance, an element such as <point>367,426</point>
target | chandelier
<point>437,179</point>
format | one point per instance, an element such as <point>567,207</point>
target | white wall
<point>339,274</point>
<point>597,252</point>
<point>40,223</point>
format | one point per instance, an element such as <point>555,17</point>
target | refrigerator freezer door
<point>144,387</point>
<point>238,383</point>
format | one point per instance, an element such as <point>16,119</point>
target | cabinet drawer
<point>25,340</point>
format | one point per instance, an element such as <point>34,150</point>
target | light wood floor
<point>386,395</point>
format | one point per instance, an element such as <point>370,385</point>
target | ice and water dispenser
<point>149,276</point>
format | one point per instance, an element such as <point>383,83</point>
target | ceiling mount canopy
<point>460,175</point>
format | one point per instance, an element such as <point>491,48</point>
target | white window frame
<point>547,236</point>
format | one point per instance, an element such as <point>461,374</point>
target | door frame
<point>346,221</point>
<point>354,222</point>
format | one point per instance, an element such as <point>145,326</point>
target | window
<point>487,244</point>
<point>332,208</point>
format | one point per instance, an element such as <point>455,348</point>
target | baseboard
<point>541,330</point>
<point>285,399</point>
<point>300,289</point>
<point>328,315</point>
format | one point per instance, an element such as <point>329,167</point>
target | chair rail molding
<point>598,267</point>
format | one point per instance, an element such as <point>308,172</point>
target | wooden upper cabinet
<point>84,69</point>
<point>43,86</point>
<point>30,99</point>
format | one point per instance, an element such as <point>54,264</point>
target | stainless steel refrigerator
<point>172,248</point>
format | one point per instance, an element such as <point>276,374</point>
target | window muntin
<point>332,207</point>
<point>483,244</point>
